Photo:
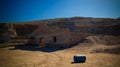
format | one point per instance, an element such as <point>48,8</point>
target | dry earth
<point>53,57</point>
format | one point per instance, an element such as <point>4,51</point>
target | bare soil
<point>57,57</point>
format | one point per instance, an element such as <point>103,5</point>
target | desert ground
<point>98,55</point>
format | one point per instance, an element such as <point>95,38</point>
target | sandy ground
<point>53,57</point>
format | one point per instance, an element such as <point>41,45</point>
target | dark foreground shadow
<point>36,48</point>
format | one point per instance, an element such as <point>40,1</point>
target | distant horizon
<point>32,10</point>
<point>60,18</point>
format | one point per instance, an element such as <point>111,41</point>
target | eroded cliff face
<point>7,31</point>
<point>25,29</point>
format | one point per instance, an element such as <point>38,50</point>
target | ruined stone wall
<point>62,39</point>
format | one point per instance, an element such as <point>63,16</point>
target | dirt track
<point>11,57</point>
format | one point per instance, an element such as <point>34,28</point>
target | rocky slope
<point>81,24</point>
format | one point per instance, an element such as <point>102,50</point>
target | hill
<point>84,25</point>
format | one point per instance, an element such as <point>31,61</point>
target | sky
<point>29,10</point>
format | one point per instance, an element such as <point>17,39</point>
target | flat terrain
<point>22,56</point>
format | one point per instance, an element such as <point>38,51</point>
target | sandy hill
<point>82,24</point>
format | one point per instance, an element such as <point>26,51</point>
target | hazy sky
<point>27,10</point>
